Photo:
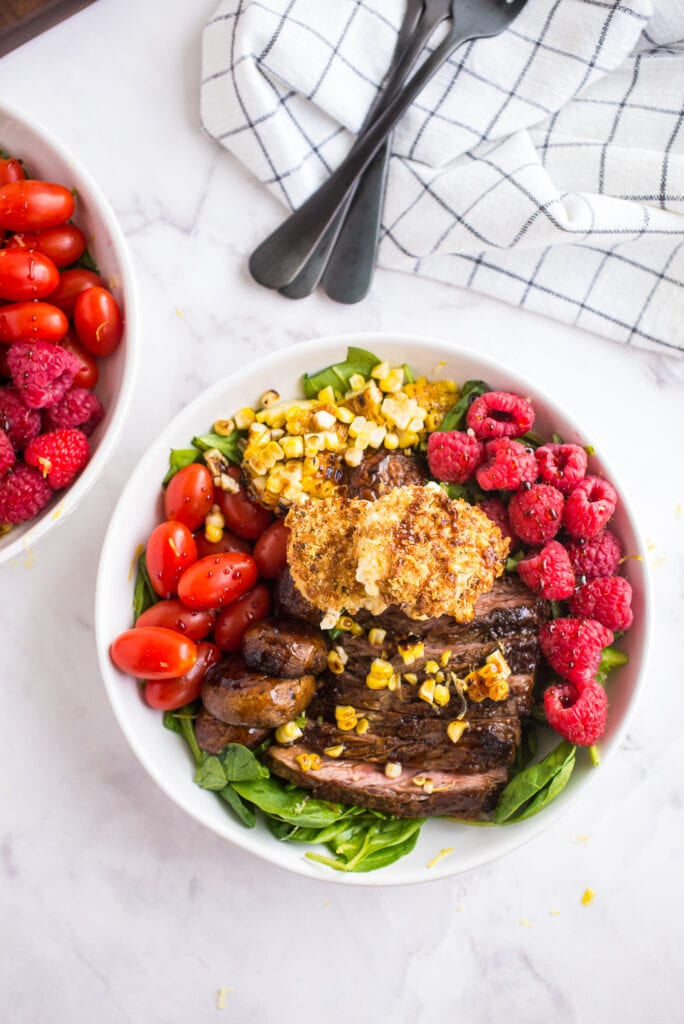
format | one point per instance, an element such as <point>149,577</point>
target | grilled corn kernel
<point>346,717</point>
<point>326,395</point>
<point>353,456</point>
<point>228,484</point>
<point>357,382</point>
<point>269,398</point>
<point>497,659</point>
<point>380,371</point>
<point>391,442</point>
<point>377,682</point>
<point>323,420</point>
<point>330,441</point>
<point>441,695</point>
<point>456,729</point>
<point>308,762</point>
<point>377,637</point>
<point>498,690</point>
<point>408,439</point>
<point>344,415</point>
<point>244,418</point>
<point>410,652</point>
<point>380,668</point>
<point>362,726</point>
<point>224,427</point>
<point>335,663</point>
<point>335,751</point>
<point>293,446</point>
<point>357,425</point>
<point>444,658</point>
<point>376,436</point>
<point>426,691</point>
<point>431,667</point>
<point>428,786</point>
<point>393,382</point>
<point>394,681</point>
<point>288,733</point>
<point>356,630</point>
<point>213,534</point>
<point>411,678</point>
<point>345,623</point>
<point>312,444</point>
<point>393,769</point>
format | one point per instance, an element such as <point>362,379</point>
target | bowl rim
<point>520,833</point>
<point>68,501</point>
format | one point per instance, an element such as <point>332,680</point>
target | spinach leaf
<point>210,773</point>
<point>358,360</point>
<point>409,375</point>
<point>291,805</point>
<point>470,492</point>
<point>241,765</point>
<point>143,594</point>
<point>374,846</point>
<point>178,458</point>
<point>611,659</point>
<point>227,445</point>
<point>455,417</point>
<point>245,813</point>
<point>86,262</point>
<point>512,561</point>
<point>535,786</point>
<point>531,440</point>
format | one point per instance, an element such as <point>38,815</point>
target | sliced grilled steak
<point>381,471</point>
<point>283,647</point>
<point>240,696</point>
<point>361,783</point>
<point>213,734</point>
<point>291,603</point>
<point>422,742</point>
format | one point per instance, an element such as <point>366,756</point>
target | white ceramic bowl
<point>47,158</point>
<point>163,753</point>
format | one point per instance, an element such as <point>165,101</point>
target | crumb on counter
<point>222,997</point>
<point>440,856</point>
<point>525,922</point>
<point>587,897</point>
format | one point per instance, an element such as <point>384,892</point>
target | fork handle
<point>278,260</point>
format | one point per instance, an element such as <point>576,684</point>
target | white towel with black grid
<point>544,167</point>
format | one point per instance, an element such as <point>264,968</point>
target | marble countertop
<point>117,907</point>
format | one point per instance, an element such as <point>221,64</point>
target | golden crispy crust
<point>413,548</point>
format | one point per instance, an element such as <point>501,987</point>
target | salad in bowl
<point>389,599</point>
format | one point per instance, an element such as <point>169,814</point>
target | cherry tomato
<point>233,621</point>
<point>170,551</point>
<point>217,580</point>
<point>173,614</point>
<point>242,514</point>
<point>26,275</point>
<point>229,541</point>
<point>270,551</point>
<point>11,170</point>
<point>31,321</point>
<point>71,284</point>
<point>189,495</point>
<point>153,653</point>
<point>169,694</point>
<point>89,372</point>
<point>31,205</point>
<point>64,244</point>
<point>98,321</point>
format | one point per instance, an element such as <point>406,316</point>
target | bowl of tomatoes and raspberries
<point>67,333</point>
<point>192,560</point>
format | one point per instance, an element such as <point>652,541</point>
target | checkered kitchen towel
<point>544,167</point>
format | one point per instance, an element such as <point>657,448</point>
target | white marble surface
<point>115,906</point>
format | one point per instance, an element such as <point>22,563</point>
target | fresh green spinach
<point>358,360</point>
<point>455,417</point>
<point>535,786</point>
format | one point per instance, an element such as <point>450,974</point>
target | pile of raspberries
<point>557,514</point>
<point>45,422</point>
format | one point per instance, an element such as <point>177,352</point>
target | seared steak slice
<point>360,783</point>
<point>381,471</point>
<point>346,691</point>
<point>422,742</point>
<point>213,734</point>
<point>283,647</point>
<point>291,602</point>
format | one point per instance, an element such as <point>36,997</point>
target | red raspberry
<point>578,713</point>
<point>60,455</point>
<point>500,414</point>
<point>41,372</point>
<point>453,456</point>
<point>607,600</point>
<point>506,465</point>
<point>562,465</point>
<point>23,493</point>
<point>536,514</point>
<point>495,509</point>
<point>573,647</point>
<point>19,423</point>
<point>79,408</point>
<point>589,507</point>
<point>599,556</point>
<point>7,456</point>
<point>549,572</point>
